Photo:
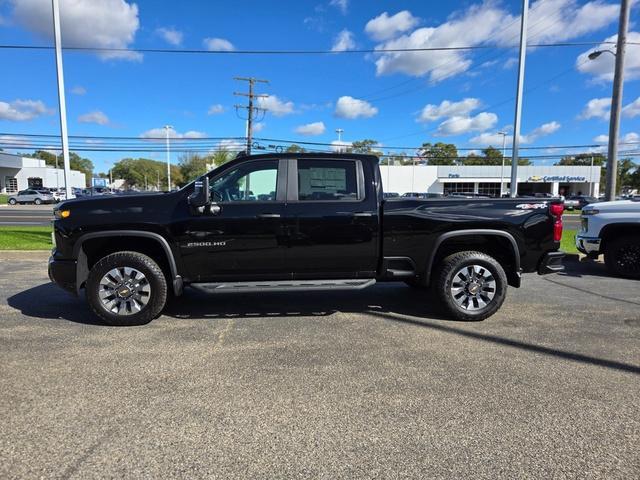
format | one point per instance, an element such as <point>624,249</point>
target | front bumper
<point>551,263</point>
<point>63,273</point>
<point>588,245</point>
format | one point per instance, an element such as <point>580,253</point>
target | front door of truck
<point>244,238</point>
<point>332,219</point>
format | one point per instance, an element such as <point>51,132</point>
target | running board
<point>284,286</point>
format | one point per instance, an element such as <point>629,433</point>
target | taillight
<point>556,210</point>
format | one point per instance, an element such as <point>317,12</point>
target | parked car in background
<point>391,195</point>
<point>573,202</point>
<point>612,229</point>
<point>61,195</point>
<point>31,196</point>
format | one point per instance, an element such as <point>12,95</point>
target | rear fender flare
<point>472,232</point>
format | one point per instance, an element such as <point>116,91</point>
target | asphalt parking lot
<point>373,384</point>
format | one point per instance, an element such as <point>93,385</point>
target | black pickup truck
<point>297,222</point>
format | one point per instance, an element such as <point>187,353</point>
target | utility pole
<point>516,124</point>
<point>504,151</point>
<point>166,130</point>
<point>616,102</point>
<point>339,131</point>
<point>62,104</point>
<point>251,110</point>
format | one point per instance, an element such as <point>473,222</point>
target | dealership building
<point>19,173</point>
<point>485,180</point>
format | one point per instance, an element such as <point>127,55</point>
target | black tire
<point>37,201</point>
<point>12,201</point>
<point>490,273</point>
<point>155,279</point>
<point>622,256</point>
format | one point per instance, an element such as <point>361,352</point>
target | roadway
<point>22,215</point>
<point>367,384</point>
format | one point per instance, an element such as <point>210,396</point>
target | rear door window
<point>327,180</point>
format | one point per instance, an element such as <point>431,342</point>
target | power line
<point>306,52</point>
<point>251,110</point>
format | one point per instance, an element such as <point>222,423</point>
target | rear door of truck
<point>332,218</point>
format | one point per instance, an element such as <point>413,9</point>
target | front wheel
<point>126,289</point>
<point>37,201</point>
<point>471,286</point>
<point>622,256</point>
<point>12,201</point>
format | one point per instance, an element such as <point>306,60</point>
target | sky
<point>402,99</point>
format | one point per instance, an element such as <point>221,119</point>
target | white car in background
<point>61,195</point>
<point>612,229</point>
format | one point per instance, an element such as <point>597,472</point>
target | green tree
<point>439,153</point>
<point>221,156</point>
<point>144,172</point>
<point>295,148</point>
<point>192,166</point>
<point>583,159</point>
<point>364,146</point>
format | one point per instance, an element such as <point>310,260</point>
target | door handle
<point>269,215</point>
<point>363,214</point>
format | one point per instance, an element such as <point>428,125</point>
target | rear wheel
<point>37,201</point>
<point>126,288</point>
<point>471,286</point>
<point>622,256</point>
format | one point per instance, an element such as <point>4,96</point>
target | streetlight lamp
<point>504,149</point>
<point>166,130</point>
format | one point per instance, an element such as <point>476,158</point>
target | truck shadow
<point>390,302</point>
<point>47,301</point>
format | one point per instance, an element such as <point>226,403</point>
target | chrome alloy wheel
<point>473,287</point>
<point>124,291</point>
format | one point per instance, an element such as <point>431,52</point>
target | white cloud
<point>258,127</point>
<point>231,145</point>
<point>602,67</point>
<point>276,106</point>
<point>496,139</point>
<point>351,108</point>
<point>384,27</point>
<point>632,110</point>
<point>487,23</point>
<point>85,23</point>
<point>79,90</point>
<point>22,110</point>
<point>96,116</point>
<point>631,137</point>
<point>344,41</point>
<point>432,112</point>
<point>510,63</point>
<point>342,5</point>
<point>11,141</point>
<point>215,109</point>
<point>458,125</point>
<point>158,134</point>
<point>170,35</point>
<point>596,108</point>
<point>315,128</point>
<point>218,45</point>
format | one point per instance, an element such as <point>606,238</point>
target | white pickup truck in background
<point>612,229</point>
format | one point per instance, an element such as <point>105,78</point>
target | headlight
<point>591,211</point>
<point>62,213</point>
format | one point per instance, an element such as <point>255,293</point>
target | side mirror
<point>200,196</point>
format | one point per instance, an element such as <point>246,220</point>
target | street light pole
<point>62,104</point>
<point>616,102</point>
<point>504,149</point>
<point>166,129</point>
<point>516,123</point>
